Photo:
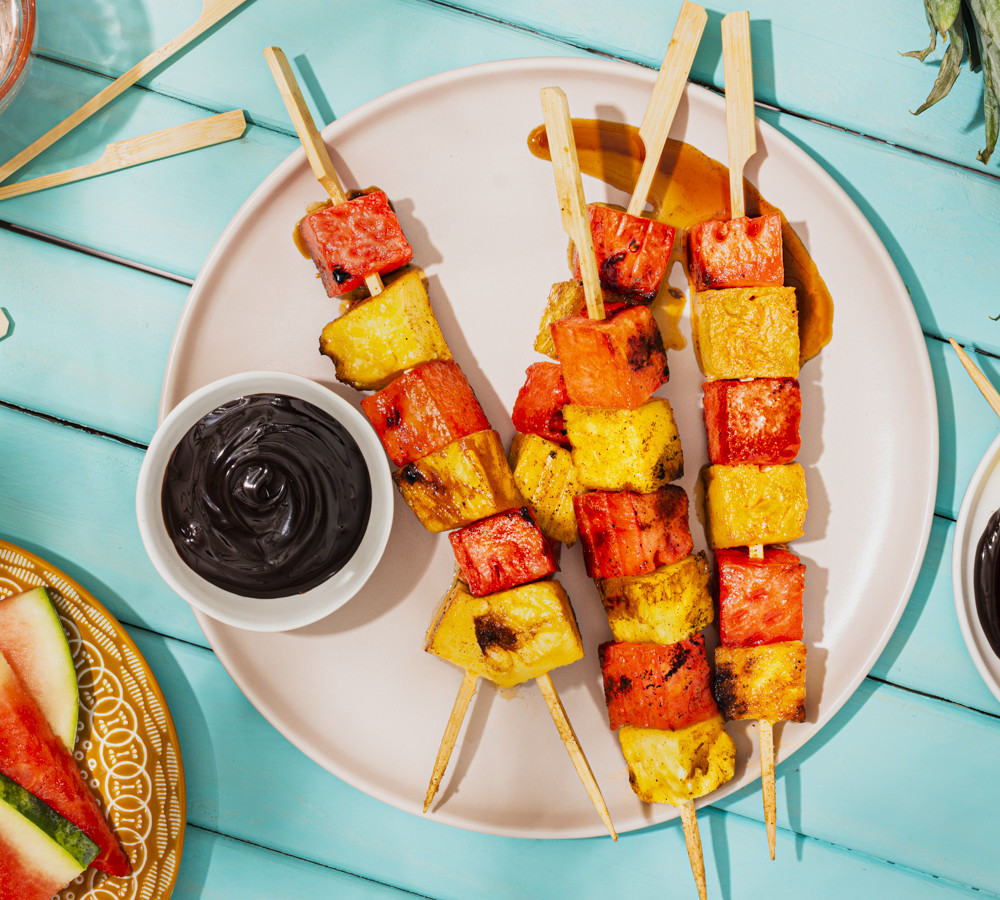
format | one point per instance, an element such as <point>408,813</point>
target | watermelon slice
<point>35,645</point>
<point>40,852</point>
<point>32,755</point>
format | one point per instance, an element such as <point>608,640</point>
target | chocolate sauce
<point>986,581</point>
<point>266,496</point>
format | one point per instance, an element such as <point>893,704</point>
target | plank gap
<point>77,426</point>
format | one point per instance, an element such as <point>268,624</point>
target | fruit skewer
<point>740,261</point>
<point>421,349</point>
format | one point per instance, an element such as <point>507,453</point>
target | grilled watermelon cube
<point>766,682</point>
<point>503,551</point>
<point>753,421</point>
<point>566,298</point>
<point>352,240</point>
<point>422,410</point>
<point>746,333</point>
<point>382,337</point>
<point>625,449</point>
<point>760,600</point>
<point>617,361</point>
<point>508,637</point>
<point>737,253</point>
<point>544,474</point>
<point>632,252</point>
<point>665,686</point>
<point>665,606</point>
<point>538,408</point>
<point>627,533</point>
<point>465,480</point>
<point>678,766</point>
<point>752,505</point>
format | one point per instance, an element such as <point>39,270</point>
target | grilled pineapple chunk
<point>663,607</point>
<point>746,332</point>
<point>763,682</point>
<point>465,480</point>
<point>676,766</point>
<point>544,474</point>
<point>747,505</point>
<point>508,637</point>
<point>381,337</point>
<point>625,449</point>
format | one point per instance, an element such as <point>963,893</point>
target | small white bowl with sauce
<point>252,500</point>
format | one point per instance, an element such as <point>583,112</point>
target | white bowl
<point>268,613</point>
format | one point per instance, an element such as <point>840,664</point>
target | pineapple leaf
<point>987,17</point>
<point>951,65</point>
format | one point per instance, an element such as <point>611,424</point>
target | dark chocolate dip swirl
<point>986,581</point>
<point>266,496</point>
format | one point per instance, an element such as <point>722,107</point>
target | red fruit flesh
<point>737,253</point>
<point>760,600</point>
<point>36,759</point>
<point>615,362</point>
<point>754,421</point>
<point>632,252</point>
<point>539,403</point>
<point>627,533</point>
<point>424,409</point>
<point>350,241</point>
<point>665,686</point>
<point>503,551</point>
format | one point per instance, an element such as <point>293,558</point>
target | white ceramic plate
<point>981,500</point>
<point>356,692</point>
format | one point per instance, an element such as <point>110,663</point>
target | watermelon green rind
<point>15,801</point>
<point>34,643</point>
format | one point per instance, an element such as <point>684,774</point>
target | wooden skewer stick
<point>212,12</point>
<point>667,93</point>
<point>740,129</point>
<point>767,765</point>
<point>576,753</point>
<point>312,140</point>
<point>982,382</point>
<point>146,148</point>
<point>569,188</point>
<point>692,838</point>
<point>465,695</point>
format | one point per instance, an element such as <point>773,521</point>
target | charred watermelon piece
<point>503,551</point>
<point>352,240</point>
<point>665,686</point>
<point>32,755</point>
<point>424,409</point>
<point>613,362</point>
<point>566,298</point>
<point>766,682</point>
<point>627,533</point>
<point>538,408</point>
<point>737,253</point>
<point>753,421</point>
<point>760,600</point>
<point>632,252</point>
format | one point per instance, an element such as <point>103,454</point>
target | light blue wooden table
<point>897,797</point>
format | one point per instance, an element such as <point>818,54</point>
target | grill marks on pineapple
<point>492,632</point>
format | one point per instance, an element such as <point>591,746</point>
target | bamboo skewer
<point>667,93</point>
<point>212,12</point>
<point>145,148</point>
<point>742,138</point>
<point>692,839</point>
<point>450,736</point>
<point>982,382</point>
<point>312,140</point>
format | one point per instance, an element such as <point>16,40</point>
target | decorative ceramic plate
<point>126,743</point>
<point>357,692</point>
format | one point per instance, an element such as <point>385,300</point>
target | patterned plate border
<point>126,745</point>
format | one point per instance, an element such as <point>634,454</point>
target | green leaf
<point>942,13</point>
<point>987,16</point>
<point>923,54</point>
<point>951,65</point>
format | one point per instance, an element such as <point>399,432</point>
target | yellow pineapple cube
<point>544,474</point>
<point>676,766</point>
<point>566,298</point>
<point>380,338</point>
<point>764,682</point>
<point>509,636</point>
<point>466,480</point>
<point>750,505</point>
<point>746,332</point>
<point>624,449</point>
<point>662,607</point>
